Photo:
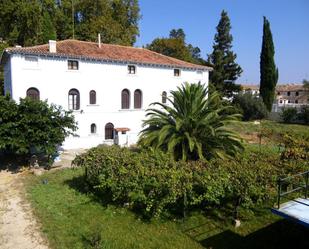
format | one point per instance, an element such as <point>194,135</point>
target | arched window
<point>137,99</point>
<point>33,93</point>
<point>109,131</point>
<point>125,99</point>
<point>74,99</point>
<point>164,97</point>
<point>92,97</point>
<point>93,129</point>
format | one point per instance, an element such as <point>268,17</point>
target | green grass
<point>272,130</point>
<point>71,218</point>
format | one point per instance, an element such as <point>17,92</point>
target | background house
<point>108,87</point>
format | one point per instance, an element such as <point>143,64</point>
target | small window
<point>280,101</point>
<point>125,99</point>
<point>72,65</point>
<point>74,100</point>
<point>137,99</point>
<point>176,72</point>
<point>164,96</point>
<point>131,69</point>
<point>278,93</point>
<point>33,93</point>
<point>93,129</point>
<point>297,93</point>
<point>289,93</point>
<point>296,101</point>
<point>109,131</point>
<point>289,101</point>
<point>92,97</point>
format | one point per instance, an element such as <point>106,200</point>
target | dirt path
<point>18,228</point>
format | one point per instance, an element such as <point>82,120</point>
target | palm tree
<point>191,126</point>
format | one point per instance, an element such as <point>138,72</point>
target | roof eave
<point>203,68</point>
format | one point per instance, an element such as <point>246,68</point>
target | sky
<point>289,22</point>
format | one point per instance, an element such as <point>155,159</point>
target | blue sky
<point>289,20</point>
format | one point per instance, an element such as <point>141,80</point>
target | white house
<point>108,87</point>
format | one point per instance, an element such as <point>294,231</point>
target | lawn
<point>270,130</point>
<point>73,218</point>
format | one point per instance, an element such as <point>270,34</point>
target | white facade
<point>51,76</point>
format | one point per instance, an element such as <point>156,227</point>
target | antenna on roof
<point>73,22</point>
<point>99,40</point>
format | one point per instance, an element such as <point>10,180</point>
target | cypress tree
<point>226,70</point>
<point>268,69</point>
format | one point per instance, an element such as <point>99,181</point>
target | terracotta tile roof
<point>122,129</point>
<point>250,87</point>
<point>290,87</point>
<point>107,52</point>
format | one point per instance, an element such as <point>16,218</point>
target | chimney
<point>99,40</point>
<point>52,46</point>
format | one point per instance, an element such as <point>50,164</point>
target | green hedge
<point>152,183</point>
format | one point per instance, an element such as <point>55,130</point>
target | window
<point>289,93</point>
<point>289,101</point>
<point>74,99</point>
<point>109,131</point>
<point>125,99</point>
<point>176,72</point>
<point>93,129</point>
<point>138,99</point>
<point>297,93</point>
<point>92,97</point>
<point>72,65</point>
<point>131,69</point>
<point>278,93</point>
<point>164,97</point>
<point>280,101</point>
<point>296,101</point>
<point>33,93</point>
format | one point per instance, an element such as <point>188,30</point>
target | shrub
<point>32,126</point>
<point>152,183</point>
<point>251,106</point>
<point>289,114</point>
<point>304,114</point>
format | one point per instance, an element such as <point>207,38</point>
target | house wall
<point>53,79</point>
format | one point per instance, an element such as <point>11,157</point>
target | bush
<point>251,107</point>
<point>304,114</point>
<point>32,126</point>
<point>152,183</point>
<point>289,114</point>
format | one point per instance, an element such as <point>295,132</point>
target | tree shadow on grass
<point>282,234</point>
<point>79,184</point>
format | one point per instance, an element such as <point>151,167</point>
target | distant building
<point>287,95</point>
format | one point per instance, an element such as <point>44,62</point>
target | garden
<point>199,178</point>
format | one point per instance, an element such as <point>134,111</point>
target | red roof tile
<point>109,52</point>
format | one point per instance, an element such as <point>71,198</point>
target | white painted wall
<point>53,79</point>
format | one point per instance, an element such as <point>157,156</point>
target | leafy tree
<point>289,114</point>
<point>33,126</point>
<point>48,28</point>
<point>3,45</point>
<point>268,70</point>
<point>191,126</point>
<point>32,22</point>
<point>175,46</point>
<point>306,84</point>
<point>252,107</point>
<point>225,69</point>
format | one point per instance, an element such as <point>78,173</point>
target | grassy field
<point>270,131</point>
<point>72,218</point>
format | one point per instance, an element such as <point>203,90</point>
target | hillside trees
<point>268,70</point>
<point>175,46</point>
<point>225,69</point>
<point>34,22</point>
